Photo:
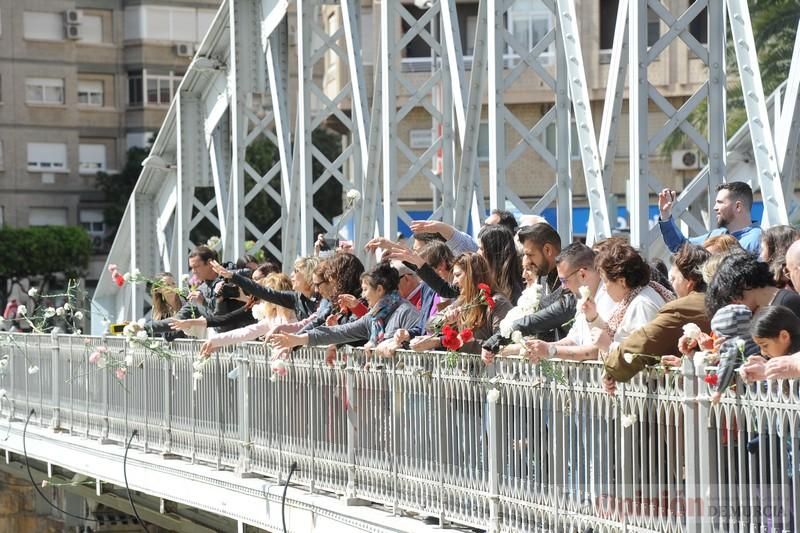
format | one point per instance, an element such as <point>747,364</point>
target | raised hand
<point>220,270</point>
<point>666,199</point>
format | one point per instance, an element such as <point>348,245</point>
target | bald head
<point>793,264</point>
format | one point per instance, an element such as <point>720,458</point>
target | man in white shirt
<point>575,266</point>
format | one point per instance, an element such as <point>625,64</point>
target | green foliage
<point>43,251</point>
<point>774,27</point>
<point>119,187</point>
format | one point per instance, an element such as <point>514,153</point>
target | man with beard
<point>732,207</point>
<point>541,245</point>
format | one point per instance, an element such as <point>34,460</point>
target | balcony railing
<point>417,435</point>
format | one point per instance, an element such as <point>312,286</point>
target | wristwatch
<point>551,350</point>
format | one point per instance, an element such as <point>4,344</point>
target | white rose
<point>259,311</point>
<point>517,338</point>
<point>78,315</point>
<point>50,312</point>
<point>142,322</point>
<point>353,195</point>
<point>129,360</point>
<point>67,307</point>
<point>628,420</point>
<point>492,396</point>
<point>141,334</point>
<point>197,375</point>
<point>691,331</point>
<point>505,328</point>
<point>60,311</point>
<point>22,310</point>
<point>740,344</point>
<point>33,369</point>
<point>33,292</point>
<point>101,363</point>
<point>628,358</point>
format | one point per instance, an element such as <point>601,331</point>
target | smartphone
<point>116,329</point>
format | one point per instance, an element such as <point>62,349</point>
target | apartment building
<point>80,83</point>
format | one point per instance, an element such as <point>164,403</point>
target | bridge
<point>256,76</point>
<point>379,445</point>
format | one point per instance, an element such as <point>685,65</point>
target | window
<point>47,216</point>
<point>417,57</point>
<point>698,27</point>
<point>550,140</point>
<point>92,220</point>
<point>608,23</point>
<point>159,89</point>
<point>139,139</point>
<point>164,23</point>
<point>90,93</point>
<point>43,26</point>
<point>92,158</point>
<point>44,91</point>
<point>92,29</point>
<point>529,21</point>
<point>47,156</point>
<point>653,27</point>
<point>135,88</point>
<point>483,142</point>
<point>420,139</point>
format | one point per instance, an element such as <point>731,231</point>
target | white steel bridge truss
<point>257,75</point>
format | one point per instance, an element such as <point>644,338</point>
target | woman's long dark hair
<point>504,262</point>
<point>344,271</point>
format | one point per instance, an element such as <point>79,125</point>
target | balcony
<point>500,448</point>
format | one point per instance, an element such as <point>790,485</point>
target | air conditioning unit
<point>73,16</point>
<point>184,49</point>
<point>72,32</point>
<point>685,160</point>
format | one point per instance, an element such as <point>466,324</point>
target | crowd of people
<point>520,291</point>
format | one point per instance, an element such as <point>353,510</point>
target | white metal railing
<point>417,435</point>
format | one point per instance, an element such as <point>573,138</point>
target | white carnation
<point>22,310</point>
<point>101,363</point>
<point>33,292</point>
<point>493,396</point>
<point>141,334</point>
<point>691,331</point>
<point>78,315</point>
<point>353,195</point>
<point>60,311</point>
<point>259,311</point>
<point>33,369</point>
<point>197,375</point>
<point>628,420</point>
<point>136,272</point>
<point>67,307</point>
<point>3,363</point>
<point>517,338</point>
<point>197,364</point>
<point>129,330</point>
<point>628,358</point>
<point>129,360</point>
<point>740,344</point>
<point>127,277</point>
<point>142,322</point>
<point>49,312</point>
<point>3,393</point>
<point>78,331</point>
<point>278,365</point>
<point>584,293</point>
<point>185,278</point>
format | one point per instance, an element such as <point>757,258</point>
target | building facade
<point>80,84</point>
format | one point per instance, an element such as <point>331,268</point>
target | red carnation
<point>118,279</point>
<point>712,380</point>
<point>466,335</point>
<point>450,338</point>
<point>489,301</point>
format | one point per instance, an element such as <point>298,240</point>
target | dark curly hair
<point>619,260</point>
<point>735,274</point>
<point>343,271</point>
<point>384,275</point>
<point>688,260</point>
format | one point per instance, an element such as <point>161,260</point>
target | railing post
<point>166,421</point>
<point>105,376</point>
<point>312,414</point>
<point>704,488</point>
<point>55,422</point>
<point>557,443</point>
<point>218,409</point>
<point>243,415</point>
<point>691,445</point>
<point>350,407</point>
<point>495,439</point>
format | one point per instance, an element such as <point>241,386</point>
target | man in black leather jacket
<point>541,245</point>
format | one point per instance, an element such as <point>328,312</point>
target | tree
<point>43,251</point>
<point>774,27</point>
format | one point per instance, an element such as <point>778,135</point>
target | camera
<point>228,290</point>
